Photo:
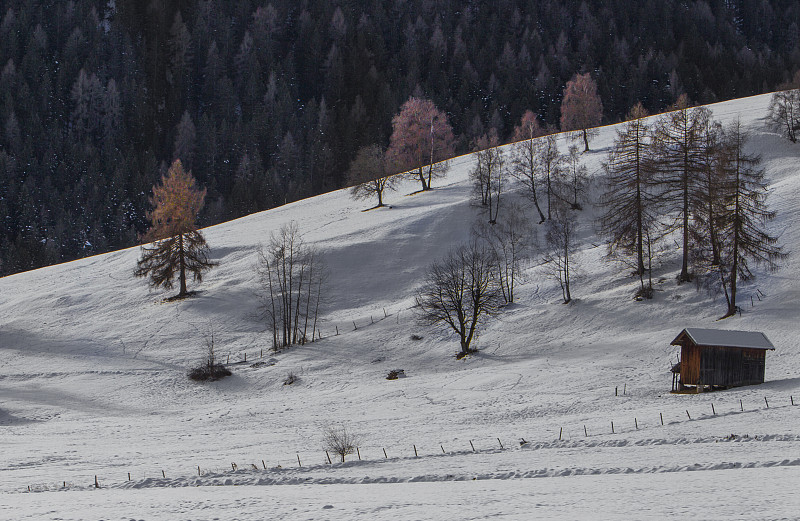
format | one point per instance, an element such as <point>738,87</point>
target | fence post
<point>765,401</point>
<point>415,452</point>
<point>298,460</point>
<point>501,443</point>
<point>662,418</point>
<point>471,445</point>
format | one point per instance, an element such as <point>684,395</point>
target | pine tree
<point>178,246</point>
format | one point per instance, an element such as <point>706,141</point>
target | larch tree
<point>178,247</point>
<point>744,215</point>
<point>581,108</point>
<point>680,147</point>
<point>525,156</point>
<point>421,137</point>
<point>369,175</point>
<point>629,203</point>
<point>460,292</point>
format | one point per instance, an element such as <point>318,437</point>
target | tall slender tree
<point>744,215</point>
<point>525,156</point>
<point>178,246</point>
<point>629,219</point>
<point>680,150</point>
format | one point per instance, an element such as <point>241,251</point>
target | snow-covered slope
<point>93,381</point>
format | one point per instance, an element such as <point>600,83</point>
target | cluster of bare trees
<point>292,276</point>
<point>784,109</point>
<point>685,172</point>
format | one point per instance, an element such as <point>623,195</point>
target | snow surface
<point>93,381</point>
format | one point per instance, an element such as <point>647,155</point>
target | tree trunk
<point>422,179</point>
<point>585,140</point>
<point>182,266</point>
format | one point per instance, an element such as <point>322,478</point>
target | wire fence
<point>569,434</point>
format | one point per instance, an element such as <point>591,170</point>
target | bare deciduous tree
<point>460,292</point>
<point>784,109</point>
<point>525,168</point>
<point>511,241</point>
<point>560,257</point>
<point>488,174</point>
<point>576,178</point>
<point>551,164</point>
<point>369,174</point>
<point>292,276</point>
<point>340,441</point>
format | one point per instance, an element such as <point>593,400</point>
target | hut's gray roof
<point>727,338</point>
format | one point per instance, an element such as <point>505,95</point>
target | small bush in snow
<point>290,378</point>
<point>340,441</point>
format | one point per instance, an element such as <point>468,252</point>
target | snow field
<point>93,381</point>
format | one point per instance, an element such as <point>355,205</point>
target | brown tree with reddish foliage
<point>177,245</point>
<point>581,108</point>
<point>421,136</point>
<point>529,127</point>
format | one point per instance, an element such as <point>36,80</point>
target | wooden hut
<point>718,358</point>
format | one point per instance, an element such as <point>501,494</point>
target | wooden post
<point>636,422</point>
<point>163,474</point>
<point>741,405</point>
<point>384,454</point>
<point>713,410</point>
<point>765,401</point>
<point>329,458</point>
<point>442,446</point>
<point>355,327</point>
<point>415,452</point>
<point>245,356</point>
<point>624,389</point>
<point>337,330</point>
<point>662,418</point>
<point>560,430</point>
<point>228,360</point>
<point>612,428</point>
<point>298,461</point>
<point>585,433</point>
<point>359,454</point>
<point>384,313</point>
<point>471,445</point>
<point>687,414</point>
<point>616,391</point>
<point>96,484</point>
<point>198,470</point>
<point>129,476</point>
<point>792,399</point>
<point>262,352</point>
<point>265,465</point>
<point>233,466</point>
<point>501,443</point>
<point>372,320</point>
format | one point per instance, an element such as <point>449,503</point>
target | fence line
<point>412,450</point>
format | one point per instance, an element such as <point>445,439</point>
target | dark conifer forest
<point>268,101</point>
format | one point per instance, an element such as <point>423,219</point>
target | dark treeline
<point>267,101</point>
